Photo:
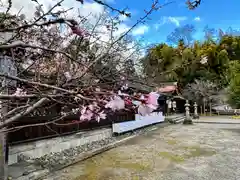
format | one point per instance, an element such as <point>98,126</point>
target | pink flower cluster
<point>20,92</point>
<point>78,31</point>
<point>92,111</point>
<point>116,103</point>
<point>96,112</point>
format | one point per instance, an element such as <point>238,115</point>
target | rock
<point>25,173</point>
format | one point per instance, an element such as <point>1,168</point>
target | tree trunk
<point>3,146</point>
<point>210,106</point>
<point>6,66</point>
<point>204,106</point>
<point>3,157</point>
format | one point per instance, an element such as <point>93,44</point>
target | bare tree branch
<point>23,45</point>
<point>113,9</point>
<point>12,96</point>
<point>153,8</point>
<point>37,124</point>
<point>14,111</point>
<point>193,4</point>
<point>23,113</point>
<point>44,85</point>
<point>47,23</point>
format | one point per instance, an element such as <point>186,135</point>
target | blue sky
<point>214,13</point>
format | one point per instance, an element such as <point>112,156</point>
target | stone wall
<point>40,148</point>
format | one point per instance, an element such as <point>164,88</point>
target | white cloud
<point>140,30</point>
<point>170,19</point>
<point>28,7</point>
<point>176,20</point>
<point>110,1</point>
<point>197,19</point>
<point>91,10</point>
<point>123,18</point>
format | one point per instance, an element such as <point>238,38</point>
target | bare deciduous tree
<point>202,92</point>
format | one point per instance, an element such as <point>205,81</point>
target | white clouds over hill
<point>176,20</point>
<point>197,19</point>
<point>140,30</point>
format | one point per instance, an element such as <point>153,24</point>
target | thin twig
<point>23,45</point>
<point>37,124</point>
<point>44,85</point>
<point>12,96</point>
<point>26,26</point>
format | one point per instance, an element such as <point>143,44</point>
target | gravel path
<point>57,160</point>
<point>197,152</point>
<point>217,119</point>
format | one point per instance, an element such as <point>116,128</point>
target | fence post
<point>6,66</point>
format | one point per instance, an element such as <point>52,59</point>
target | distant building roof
<point>167,89</point>
<point>142,85</point>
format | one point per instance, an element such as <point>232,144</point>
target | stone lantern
<point>188,119</point>
<point>195,115</point>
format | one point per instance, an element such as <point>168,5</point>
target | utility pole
<point>7,66</point>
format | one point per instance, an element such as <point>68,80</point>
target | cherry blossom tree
<point>58,58</point>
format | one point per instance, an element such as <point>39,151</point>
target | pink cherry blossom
<point>152,99</point>
<point>87,115</point>
<point>80,32</point>
<point>19,92</point>
<point>103,115</point>
<point>116,104</point>
<point>100,116</point>
<point>91,107</point>
<point>83,110</point>
<point>68,76</point>
<point>144,110</point>
<point>76,30</point>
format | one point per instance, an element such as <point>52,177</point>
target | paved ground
<point>218,119</point>
<point>192,152</point>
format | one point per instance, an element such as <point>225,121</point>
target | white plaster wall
<point>140,122</point>
<point>58,144</point>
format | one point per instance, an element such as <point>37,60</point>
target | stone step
<point>179,120</point>
<point>176,120</point>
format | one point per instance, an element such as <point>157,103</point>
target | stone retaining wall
<point>40,148</point>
